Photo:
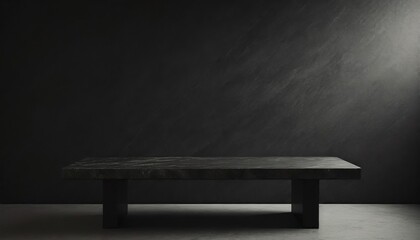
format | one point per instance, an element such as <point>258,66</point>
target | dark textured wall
<point>211,78</point>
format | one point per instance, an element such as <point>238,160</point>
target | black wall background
<point>210,78</point>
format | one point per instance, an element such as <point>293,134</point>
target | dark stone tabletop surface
<point>212,168</point>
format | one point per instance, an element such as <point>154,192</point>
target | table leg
<point>114,202</point>
<point>305,201</point>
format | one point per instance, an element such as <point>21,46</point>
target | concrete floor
<point>210,221</point>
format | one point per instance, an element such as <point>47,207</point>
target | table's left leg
<point>305,201</point>
<point>114,202</point>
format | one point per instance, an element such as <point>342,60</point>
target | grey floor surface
<point>210,221</point>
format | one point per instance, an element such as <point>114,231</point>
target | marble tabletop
<point>212,168</point>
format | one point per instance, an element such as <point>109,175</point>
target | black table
<point>305,173</point>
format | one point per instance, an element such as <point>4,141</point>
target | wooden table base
<point>305,202</point>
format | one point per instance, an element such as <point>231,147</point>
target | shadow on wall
<point>211,78</point>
